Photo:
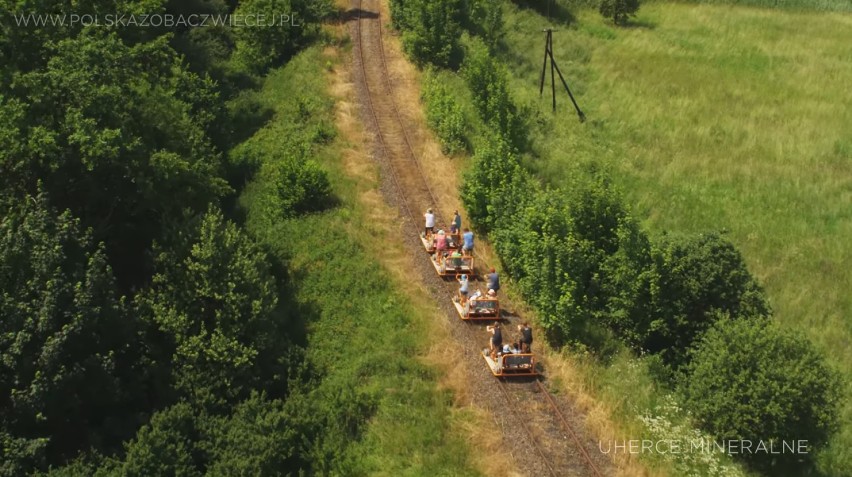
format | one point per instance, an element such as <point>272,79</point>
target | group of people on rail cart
<point>493,286</point>
<point>443,243</point>
<point>441,239</point>
<point>523,345</point>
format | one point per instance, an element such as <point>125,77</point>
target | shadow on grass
<point>550,9</point>
<point>636,23</point>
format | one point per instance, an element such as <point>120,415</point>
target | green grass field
<point>366,339</point>
<point>717,118</point>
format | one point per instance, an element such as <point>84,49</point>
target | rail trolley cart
<point>453,242</point>
<point>482,308</point>
<point>449,266</point>
<point>509,364</point>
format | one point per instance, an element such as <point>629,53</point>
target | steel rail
<point>570,429</point>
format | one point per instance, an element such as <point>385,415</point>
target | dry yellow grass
<point>440,170</point>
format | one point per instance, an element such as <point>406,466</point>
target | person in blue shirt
<point>463,287</point>
<point>468,241</point>
<point>493,280</point>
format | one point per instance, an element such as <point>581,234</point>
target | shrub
<point>443,114</point>
<point>750,380</point>
<point>699,277</point>
<point>213,299</point>
<point>289,187</point>
<point>487,80</point>
<point>431,30</point>
<point>619,10</point>
<point>486,17</point>
<point>266,46</point>
<point>662,297</point>
<point>495,186</point>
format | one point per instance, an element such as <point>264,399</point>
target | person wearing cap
<point>440,243</point>
<point>456,225</point>
<point>430,222</point>
<point>493,280</point>
<point>467,238</point>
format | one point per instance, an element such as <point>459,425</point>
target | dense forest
<point>143,329</point>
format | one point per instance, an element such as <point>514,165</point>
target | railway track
<point>416,195</point>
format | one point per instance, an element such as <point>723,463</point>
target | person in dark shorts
<point>496,338</point>
<point>526,337</point>
<point>493,280</point>
<point>455,227</point>
<point>467,242</point>
<point>463,288</point>
<point>429,218</point>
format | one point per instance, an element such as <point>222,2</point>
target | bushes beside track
<point>597,279</point>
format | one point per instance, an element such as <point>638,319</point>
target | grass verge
<point>370,343</point>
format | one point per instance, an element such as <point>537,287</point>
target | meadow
<point>715,117</point>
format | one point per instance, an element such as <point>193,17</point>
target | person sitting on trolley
<point>441,260</point>
<point>457,259</point>
<point>440,243</point>
<point>496,338</point>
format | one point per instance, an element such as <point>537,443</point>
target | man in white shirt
<point>430,222</point>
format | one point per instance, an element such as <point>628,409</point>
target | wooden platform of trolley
<point>511,364</point>
<point>453,265</point>
<point>428,241</point>
<point>476,309</point>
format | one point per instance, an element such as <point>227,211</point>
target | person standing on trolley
<point>429,229</point>
<point>496,339</point>
<point>526,338</point>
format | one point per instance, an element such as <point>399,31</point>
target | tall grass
<point>802,5</point>
<point>713,117</point>
<point>367,340</point>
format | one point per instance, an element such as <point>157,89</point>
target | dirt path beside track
<point>533,436</point>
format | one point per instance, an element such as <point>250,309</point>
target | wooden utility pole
<point>548,54</point>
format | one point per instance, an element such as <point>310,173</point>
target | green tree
<point>170,444</point>
<point>698,278</point>
<point>70,375</point>
<point>496,186</point>
<point>214,299</point>
<point>259,48</point>
<point>443,113</point>
<point>619,10</point>
<point>431,31</point>
<point>487,80</point>
<point>487,19</point>
<point>749,380</point>
<point>26,47</point>
<point>116,134</point>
